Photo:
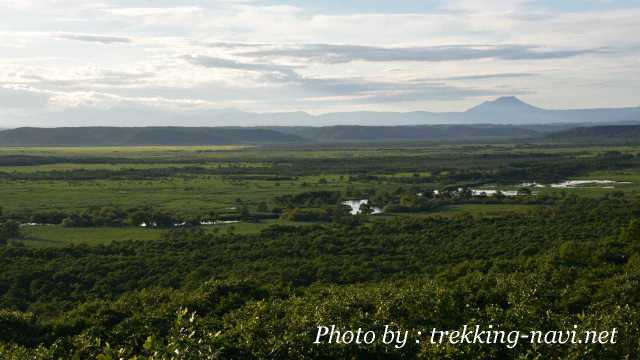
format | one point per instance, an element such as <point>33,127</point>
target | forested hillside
<point>103,136</point>
<point>576,262</point>
<point>116,136</point>
<point>395,133</point>
<point>620,133</point>
<point>141,136</point>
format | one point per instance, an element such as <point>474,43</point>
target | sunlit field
<point>223,180</point>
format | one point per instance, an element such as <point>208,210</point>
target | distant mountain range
<point>503,118</point>
<point>505,110</point>
<point>514,111</point>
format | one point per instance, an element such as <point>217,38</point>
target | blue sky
<point>89,57</point>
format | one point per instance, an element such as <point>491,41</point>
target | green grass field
<point>57,236</point>
<point>353,151</point>
<point>242,179</point>
<point>189,195</point>
<point>119,150</point>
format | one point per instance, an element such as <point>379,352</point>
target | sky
<point>125,58</point>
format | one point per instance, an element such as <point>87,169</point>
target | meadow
<point>194,181</point>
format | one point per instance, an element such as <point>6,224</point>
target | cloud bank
<point>170,57</point>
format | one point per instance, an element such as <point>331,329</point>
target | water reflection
<point>356,204</point>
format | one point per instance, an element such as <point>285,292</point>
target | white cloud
<point>103,39</point>
<point>261,56</point>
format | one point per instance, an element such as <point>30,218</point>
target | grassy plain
<point>58,236</point>
<point>191,181</point>
<point>189,195</point>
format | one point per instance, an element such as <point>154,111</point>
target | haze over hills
<point>511,110</point>
<point>504,110</point>
<point>503,118</point>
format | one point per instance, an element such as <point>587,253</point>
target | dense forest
<point>260,296</point>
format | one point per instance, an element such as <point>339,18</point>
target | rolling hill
<point>125,136</point>
<point>622,133</point>
<point>408,133</point>
<point>140,136</point>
